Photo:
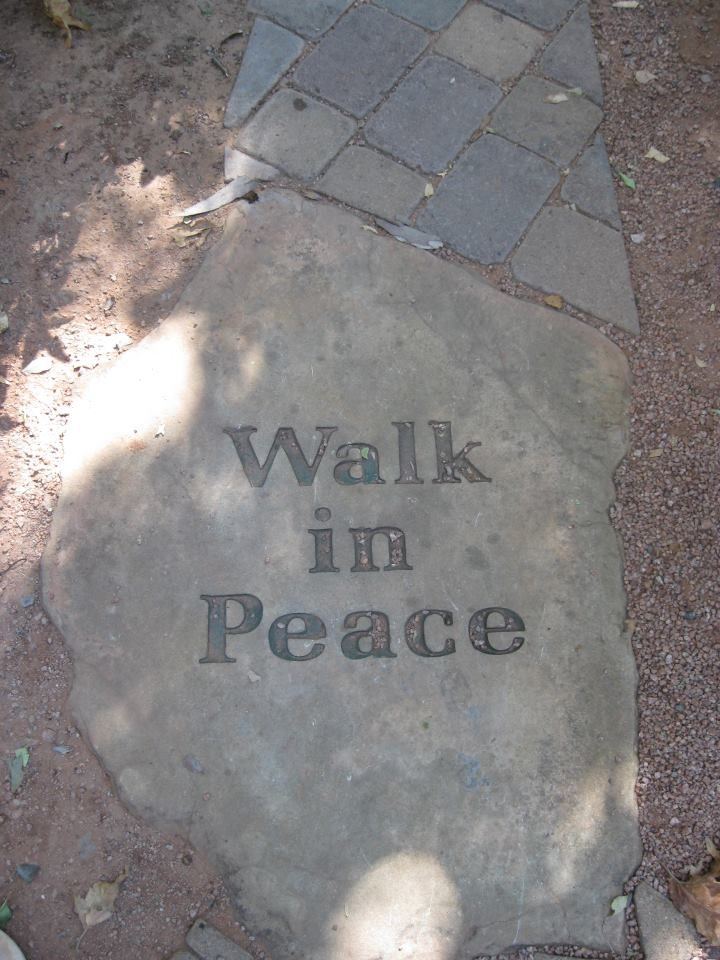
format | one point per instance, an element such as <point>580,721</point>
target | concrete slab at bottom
<point>665,933</point>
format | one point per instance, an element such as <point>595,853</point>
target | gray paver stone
<point>486,202</point>
<point>572,59</point>
<point>372,182</point>
<point>554,130</point>
<point>184,955</point>
<point>589,185</point>
<point>356,64</point>
<point>433,112</point>
<point>311,18</point>
<point>270,51</point>
<point>665,933</point>
<point>485,40</point>
<point>239,164</point>
<point>433,14</point>
<point>546,14</point>
<point>296,133</point>
<point>581,259</point>
<point>210,944</point>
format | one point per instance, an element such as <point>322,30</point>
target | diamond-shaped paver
<point>554,130</point>
<point>546,14</point>
<point>589,185</point>
<point>432,113</point>
<point>484,205</point>
<point>296,133</point>
<point>572,58</point>
<point>433,14</point>
<point>356,64</point>
<point>497,46</point>
<point>311,18</point>
<point>270,51</point>
<point>582,260</point>
<point>372,182</point>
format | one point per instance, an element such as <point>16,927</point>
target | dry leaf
<point>657,452</point>
<point>40,364</point>
<point>369,229</point>
<point>699,899</point>
<point>654,154</point>
<point>97,904</point>
<point>627,4</point>
<point>556,98</point>
<point>59,13</point>
<point>188,231</point>
<point>429,189</point>
<point>700,363</point>
<point>644,76</point>
<point>555,301</point>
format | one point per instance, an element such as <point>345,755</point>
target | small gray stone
<point>296,133</point>
<point>27,601</point>
<point>572,58</point>
<point>210,944</point>
<point>372,182</point>
<point>554,130</point>
<point>433,14</point>
<point>589,185</point>
<point>499,47</point>
<point>432,114</point>
<point>546,14</point>
<point>665,933</point>
<point>582,260</point>
<point>483,206</point>
<point>311,18</point>
<point>361,59</point>
<point>269,53</point>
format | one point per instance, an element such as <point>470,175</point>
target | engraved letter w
<point>285,438</point>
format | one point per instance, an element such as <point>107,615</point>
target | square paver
<point>497,46</point>
<point>433,14</point>
<point>572,58</point>
<point>361,59</point>
<point>582,260</point>
<point>546,14</point>
<point>372,182</point>
<point>296,133</point>
<point>433,112</point>
<point>554,130</point>
<point>484,205</point>
<point>311,18</point>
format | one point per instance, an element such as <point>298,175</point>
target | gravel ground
<point>101,146</point>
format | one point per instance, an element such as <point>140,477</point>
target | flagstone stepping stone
<point>572,59</point>
<point>270,51</point>
<point>496,46</point>
<point>557,131</point>
<point>666,934</point>
<point>589,185</point>
<point>546,14</point>
<point>369,181</point>
<point>433,112</point>
<point>338,531</point>
<point>361,59</point>
<point>433,14</point>
<point>486,202</point>
<point>310,18</point>
<point>296,133</point>
<point>582,260</point>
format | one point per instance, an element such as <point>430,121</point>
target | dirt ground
<point>101,146</point>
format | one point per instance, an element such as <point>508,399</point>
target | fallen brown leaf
<point>699,899</point>
<point>555,301</point>
<point>97,904</point>
<point>60,14</point>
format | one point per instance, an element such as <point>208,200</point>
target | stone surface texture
<point>310,18</point>
<point>572,59</point>
<point>546,14</point>
<point>270,51</point>
<point>433,112</point>
<point>369,181</point>
<point>432,14</point>
<point>209,944</point>
<point>358,62</point>
<point>582,260</point>
<point>589,185</point>
<point>442,806</point>
<point>239,164</point>
<point>485,40</point>
<point>557,131</point>
<point>666,934</point>
<point>296,133</point>
<point>484,205</point>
